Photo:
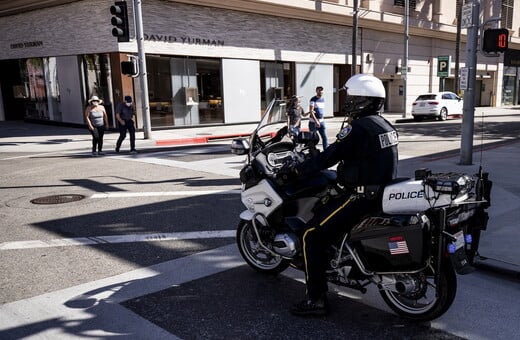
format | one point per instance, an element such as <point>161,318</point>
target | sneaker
<point>117,149</point>
<point>133,152</point>
<point>101,153</point>
<point>311,308</point>
<point>94,153</point>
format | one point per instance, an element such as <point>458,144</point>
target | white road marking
<point>165,193</point>
<point>84,241</point>
<point>220,166</point>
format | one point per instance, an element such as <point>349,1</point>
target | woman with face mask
<point>125,115</point>
<point>97,122</point>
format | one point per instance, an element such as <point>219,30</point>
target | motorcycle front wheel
<point>254,254</point>
<point>423,303</point>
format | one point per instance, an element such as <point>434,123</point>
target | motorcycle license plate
<point>459,242</point>
<point>458,258</point>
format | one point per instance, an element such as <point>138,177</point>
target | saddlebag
<point>387,243</point>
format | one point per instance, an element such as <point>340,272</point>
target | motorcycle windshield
<point>273,121</point>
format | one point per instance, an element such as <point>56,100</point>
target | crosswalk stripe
<point>84,241</point>
<point>165,193</point>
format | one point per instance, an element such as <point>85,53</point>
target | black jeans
<point>329,223</point>
<point>97,138</point>
<point>129,125</point>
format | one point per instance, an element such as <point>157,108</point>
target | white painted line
<point>166,193</point>
<point>84,241</point>
<point>30,156</point>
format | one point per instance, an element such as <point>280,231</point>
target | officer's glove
<point>287,172</point>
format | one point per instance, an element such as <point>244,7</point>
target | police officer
<point>366,153</point>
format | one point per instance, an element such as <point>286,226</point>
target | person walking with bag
<point>97,122</point>
<point>125,115</point>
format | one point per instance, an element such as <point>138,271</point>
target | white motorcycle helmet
<point>365,95</point>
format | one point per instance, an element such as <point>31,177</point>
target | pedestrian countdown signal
<point>495,40</point>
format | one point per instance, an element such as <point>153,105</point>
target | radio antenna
<point>481,144</point>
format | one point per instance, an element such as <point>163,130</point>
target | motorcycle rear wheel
<point>258,258</point>
<point>425,306</point>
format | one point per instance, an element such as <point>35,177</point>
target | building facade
<point>219,62</point>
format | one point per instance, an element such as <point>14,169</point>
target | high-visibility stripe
<point>335,211</point>
<point>312,229</point>
<point>305,253</point>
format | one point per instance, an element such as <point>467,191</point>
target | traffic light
<point>495,40</point>
<point>120,21</point>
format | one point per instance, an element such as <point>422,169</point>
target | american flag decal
<point>398,247</point>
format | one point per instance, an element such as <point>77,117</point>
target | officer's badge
<point>344,132</point>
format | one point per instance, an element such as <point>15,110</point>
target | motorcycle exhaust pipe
<point>404,287</point>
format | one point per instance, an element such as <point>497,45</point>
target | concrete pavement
<point>499,248</point>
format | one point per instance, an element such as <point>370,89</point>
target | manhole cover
<point>57,199</point>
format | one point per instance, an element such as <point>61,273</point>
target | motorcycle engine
<point>286,244</point>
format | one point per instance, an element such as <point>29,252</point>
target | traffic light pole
<point>466,143</point>
<point>143,78</point>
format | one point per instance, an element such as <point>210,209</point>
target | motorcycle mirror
<point>308,137</point>
<point>240,146</point>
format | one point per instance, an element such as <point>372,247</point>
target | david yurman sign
<point>183,39</point>
<point>27,44</point>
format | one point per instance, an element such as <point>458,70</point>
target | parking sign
<point>443,66</point>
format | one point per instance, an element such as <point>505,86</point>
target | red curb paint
<point>197,140</point>
<point>181,141</point>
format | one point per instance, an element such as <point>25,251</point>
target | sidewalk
<point>499,246</point>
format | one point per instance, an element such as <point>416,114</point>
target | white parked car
<point>438,104</point>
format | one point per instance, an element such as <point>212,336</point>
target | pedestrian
<point>125,115</point>
<point>366,154</point>
<point>294,116</point>
<point>317,112</point>
<point>97,122</point>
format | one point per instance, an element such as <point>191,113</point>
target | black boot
<point>311,307</point>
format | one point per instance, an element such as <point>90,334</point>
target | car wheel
<point>443,115</point>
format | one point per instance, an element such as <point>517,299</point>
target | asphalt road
<point>148,252</point>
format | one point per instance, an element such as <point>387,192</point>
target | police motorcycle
<point>428,230</point>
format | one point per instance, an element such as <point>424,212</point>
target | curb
<point>411,120</point>
<point>497,266</point>
<point>198,140</point>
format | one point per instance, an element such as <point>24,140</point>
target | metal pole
<point>143,80</point>
<point>457,46</point>
<point>466,142</point>
<point>354,38</point>
<point>404,67</point>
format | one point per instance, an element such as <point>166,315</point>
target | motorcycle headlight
<point>277,159</point>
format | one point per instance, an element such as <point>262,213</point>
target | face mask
<point>128,104</point>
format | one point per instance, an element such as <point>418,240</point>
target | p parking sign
<point>443,66</point>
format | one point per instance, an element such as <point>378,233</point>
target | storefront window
<point>276,80</point>
<point>160,91</point>
<point>210,91</point>
<point>185,91</point>
<point>96,70</point>
<point>508,86</point>
<point>33,91</point>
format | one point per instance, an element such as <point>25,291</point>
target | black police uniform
<point>367,155</point>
